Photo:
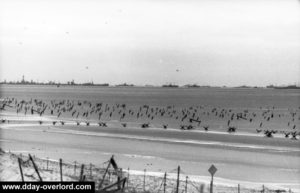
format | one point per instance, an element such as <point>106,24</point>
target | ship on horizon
<point>170,85</point>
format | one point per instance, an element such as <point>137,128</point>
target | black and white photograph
<point>150,96</point>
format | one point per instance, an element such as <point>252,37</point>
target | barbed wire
<point>182,171</point>
<point>94,173</point>
<point>160,186</point>
<point>195,186</point>
<point>173,170</point>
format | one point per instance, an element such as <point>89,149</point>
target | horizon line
<point>124,84</point>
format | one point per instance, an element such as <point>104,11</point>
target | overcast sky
<point>207,42</point>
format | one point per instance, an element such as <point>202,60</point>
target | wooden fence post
<point>81,173</point>
<point>90,170</point>
<point>178,180</point>
<point>127,178</point>
<point>47,162</point>
<point>201,188</point>
<point>119,178</point>
<point>75,168</point>
<point>186,182</point>
<point>20,166</point>
<point>60,169</point>
<point>238,188</point>
<point>144,184</point>
<point>165,182</point>
<point>100,184</point>
<point>35,168</point>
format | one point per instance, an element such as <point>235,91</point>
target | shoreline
<point>187,86</point>
<point>60,130</point>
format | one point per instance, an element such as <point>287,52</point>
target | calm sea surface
<point>214,97</point>
<point>240,158</point>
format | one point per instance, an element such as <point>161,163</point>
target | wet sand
<point>252,162</point>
